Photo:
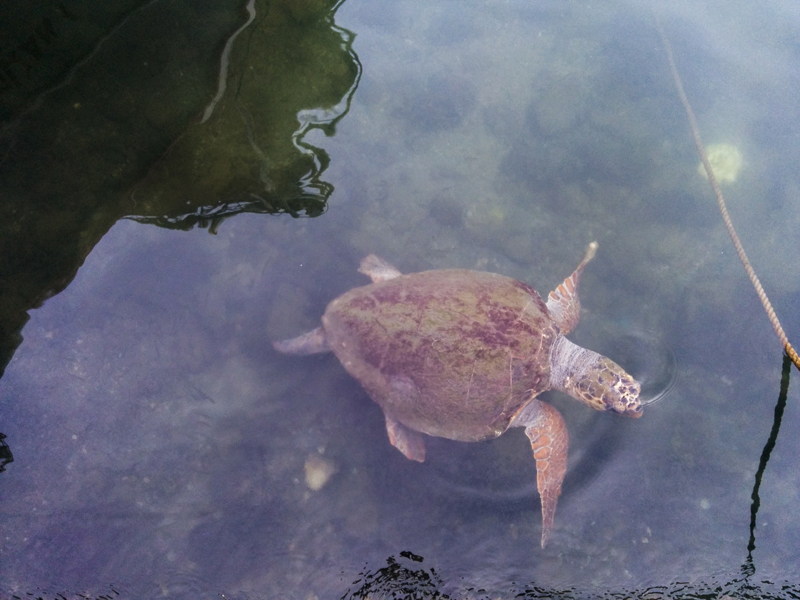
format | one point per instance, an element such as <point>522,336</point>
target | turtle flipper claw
<point>549,440</point>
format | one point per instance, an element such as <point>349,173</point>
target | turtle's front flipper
<point>563,302</point>
<point>312,342</point>
<point>377,269</point>
<point>549,440</point>
<point>408,441</point>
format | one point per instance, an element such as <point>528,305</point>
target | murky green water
<point>162,447</point>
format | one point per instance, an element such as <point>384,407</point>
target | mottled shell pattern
<point>459,366</point>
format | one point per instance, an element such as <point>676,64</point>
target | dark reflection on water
<point>249,153</point>
<point>42,42</point>
<point>116,133</point>
<point>780,407</point>
<point>407,578</point>
<point>5,453</point>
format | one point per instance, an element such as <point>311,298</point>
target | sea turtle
<point>463,354</point>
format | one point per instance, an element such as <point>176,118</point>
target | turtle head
<point>593,379</point>
<point>608,386</point>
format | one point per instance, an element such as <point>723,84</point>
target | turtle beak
<point>634,412</point>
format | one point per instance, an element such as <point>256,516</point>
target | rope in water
<point>762,295</point>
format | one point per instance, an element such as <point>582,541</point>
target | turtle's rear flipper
<point>312,342</point>
<point>549,439</point>
<point>408,441</point>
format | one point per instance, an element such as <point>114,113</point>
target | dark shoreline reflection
<point>248,153</point>
<point>105,143</point>
<point>5,453</point>
<point>408,577</point>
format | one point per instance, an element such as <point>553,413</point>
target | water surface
<point>161,445</point>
